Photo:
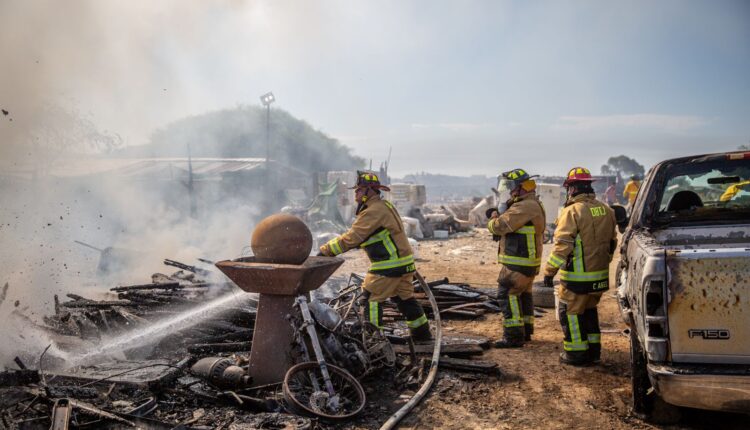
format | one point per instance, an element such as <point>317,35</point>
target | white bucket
<point>557,306</point>
<point>440,234</point>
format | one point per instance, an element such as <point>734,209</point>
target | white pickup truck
<point>683,284</point>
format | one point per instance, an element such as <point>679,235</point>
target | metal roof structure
<point>151,167</point>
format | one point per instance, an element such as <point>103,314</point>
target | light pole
<point>266,99</point>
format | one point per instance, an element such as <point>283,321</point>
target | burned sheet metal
<point>146,374</point>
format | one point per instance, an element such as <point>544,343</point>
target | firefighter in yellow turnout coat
<point>631,191</point>
<point>584,242</point>
<point>519,228</point>
<point>378,230</point>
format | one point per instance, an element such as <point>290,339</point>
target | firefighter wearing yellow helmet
<point>631,191</point>
<point>378,230</point>
<point>584,242</point>
<point>518,224</point>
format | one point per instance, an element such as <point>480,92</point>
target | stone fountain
<point>280,270</point>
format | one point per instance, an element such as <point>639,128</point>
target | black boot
<point>595,352</point>
<point>421,333</point>
<point>512,338</point>
<point>528,330</point>
<point>575,358</point>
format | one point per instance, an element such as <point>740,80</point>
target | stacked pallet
<point>455,300</point>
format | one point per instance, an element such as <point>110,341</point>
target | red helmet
<point>578,174</point>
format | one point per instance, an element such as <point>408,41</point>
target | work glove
<point>492,213</point>
<point>549,281</point>
<point>323,251</point>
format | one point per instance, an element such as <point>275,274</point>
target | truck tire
<point>647,406</point>
<point>643,402</point>
<point>547,235</point>
<point>543,297</point>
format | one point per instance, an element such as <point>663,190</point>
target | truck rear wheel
<point>547,235</point>
<point>643,402</point>
<point>647,405</point>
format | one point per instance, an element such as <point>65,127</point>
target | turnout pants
<point>516,305</point>
<point>580,324</point>
<point>378,289</point>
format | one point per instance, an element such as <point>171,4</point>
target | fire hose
<point>414,401</point>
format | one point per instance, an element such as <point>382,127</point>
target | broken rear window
<point>704,191</point>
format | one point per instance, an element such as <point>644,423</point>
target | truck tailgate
<point>709,311</point>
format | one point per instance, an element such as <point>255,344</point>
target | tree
<point>63,131</point>
<point>622,165</point>
<point>241,132</point>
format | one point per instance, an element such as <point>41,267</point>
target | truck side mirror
<point>621,217</point>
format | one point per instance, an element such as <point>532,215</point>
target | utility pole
<point>266,100</point>
<point>190,185</point>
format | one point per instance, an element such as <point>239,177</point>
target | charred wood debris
<point>157,387</point>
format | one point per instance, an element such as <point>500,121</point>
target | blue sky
<point>470,87</point>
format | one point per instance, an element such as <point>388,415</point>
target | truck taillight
<point>739,156</point>
<point>655,299</point>
<point>657,328</point>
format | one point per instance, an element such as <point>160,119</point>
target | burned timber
<point>174,353</point>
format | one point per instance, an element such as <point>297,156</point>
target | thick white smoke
<point>78,79</point>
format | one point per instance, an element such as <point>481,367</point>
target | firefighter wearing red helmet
<point>518,224</point>
<point>584,243</point>
<point>378,230</point>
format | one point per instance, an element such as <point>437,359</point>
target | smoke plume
<point>83,79</point>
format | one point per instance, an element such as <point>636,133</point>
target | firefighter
<point>518,224</point>
<point>378,230</point>
<point>631,190</point>
<point>584,242</point>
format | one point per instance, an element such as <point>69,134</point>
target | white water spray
<point>157,331</point>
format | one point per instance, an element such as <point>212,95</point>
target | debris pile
<point>454,300</point>
<point>133,307</point>
<point>196,375</point>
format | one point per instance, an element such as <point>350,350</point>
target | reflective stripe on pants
<point>374,314</point>
<point>576,342</point>
<point>515,320</point>
<point>422,320</point>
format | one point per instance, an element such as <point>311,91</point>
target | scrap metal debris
<point>454,301</point>
<point>197,377</point>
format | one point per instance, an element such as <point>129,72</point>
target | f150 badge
<point>709,334</point>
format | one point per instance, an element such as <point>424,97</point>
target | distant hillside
<point>240,132</point>
<point>447,187</point>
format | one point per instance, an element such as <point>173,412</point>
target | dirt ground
<point>534,390</point>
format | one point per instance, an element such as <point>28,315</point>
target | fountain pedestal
<point>278,286</point>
